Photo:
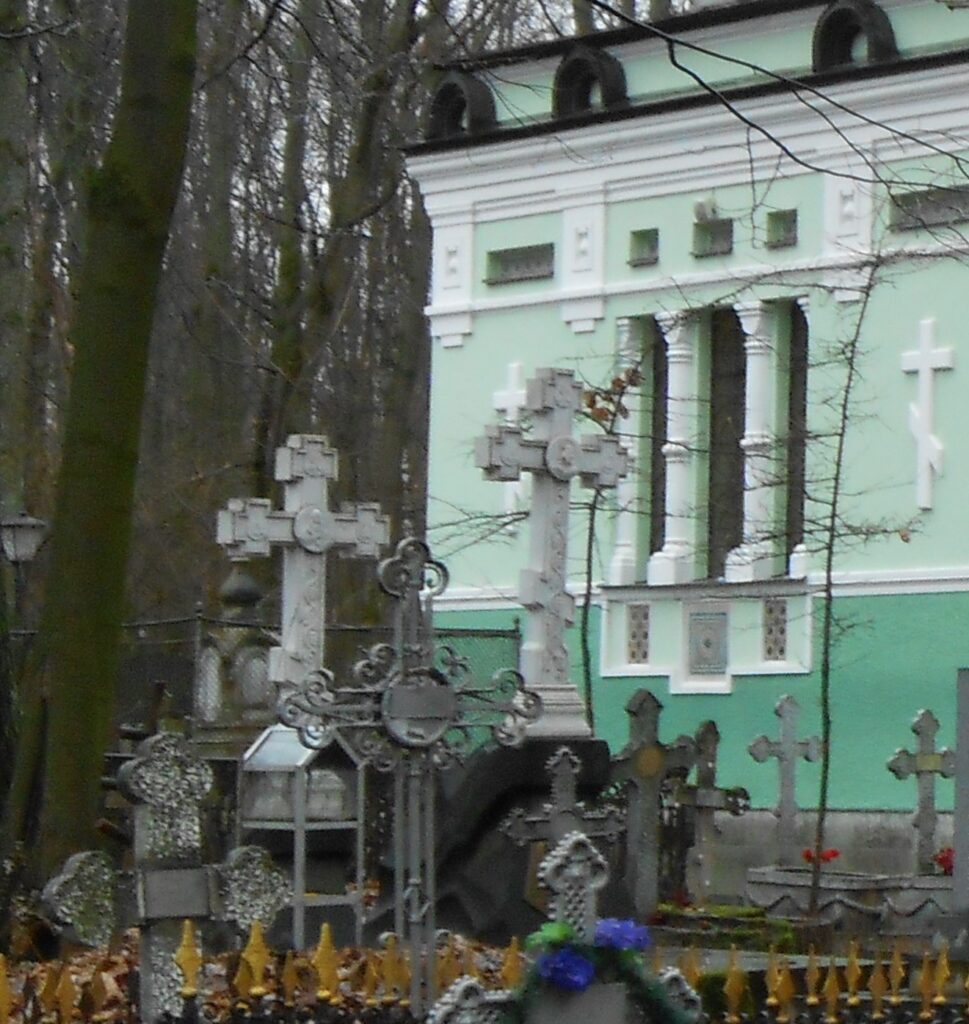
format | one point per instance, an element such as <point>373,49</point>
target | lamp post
<point>20,536</point>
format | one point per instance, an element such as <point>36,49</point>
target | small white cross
<point>509,404</point>
<point>928,448</point>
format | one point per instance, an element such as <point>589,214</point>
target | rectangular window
<point>930,207</point>
<point>707,643</point>
<point>712,238</point>
<point>781,229</point>
<point>775,629</point>
<point>644,247</point>
<point>727,396</point>
<point>655,359</point>
<point>526,263</point>
<point>637,640</point>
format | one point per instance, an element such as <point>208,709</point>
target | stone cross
<point>574,872</point>
<point>925,764</point>
<point>564,813</point>
<point>706,798</point>
<point>167,785</point>
<point>641,768</point>
<point>923,362</point>
<point>509,402</point>
<point>787,749</point>
<point>960,816</point>
<point>553,456</point>
<point>306,529</point>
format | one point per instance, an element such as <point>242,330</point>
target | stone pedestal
<point>603,1003</point>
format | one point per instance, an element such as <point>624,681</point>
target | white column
<point>754,559</point>
<point>675,562</point>
<point>622,567</point>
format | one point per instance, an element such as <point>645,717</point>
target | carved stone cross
<point>925,764</point>
<point>564,813</point>
<point>509,403</point>
<point>553,456</point>
<point>787,749</point>
<point>923,362</point>
<point>641,767</point>
<point>706,797</point>
<point>306,529</point>
<point>574,872</point>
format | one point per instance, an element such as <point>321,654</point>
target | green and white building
<point>762,206</point>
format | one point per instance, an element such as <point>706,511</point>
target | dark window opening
<point>656,360</point>
<point>796,428</point>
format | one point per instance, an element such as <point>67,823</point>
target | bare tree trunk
<point>70,677</point>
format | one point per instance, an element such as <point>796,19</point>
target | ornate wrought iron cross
<point>411,708</point>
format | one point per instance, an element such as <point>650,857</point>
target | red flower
<point>807,854</point>
<point>945,858</point>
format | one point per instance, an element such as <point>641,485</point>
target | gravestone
<point>707,798</point>
<point>167,785</point>
<point>925,764</point>
<point>553,456</point>
<point>787,749</point>
<point>641,768</point>
<point>306,529</point>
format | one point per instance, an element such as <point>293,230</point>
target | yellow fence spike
<point>393,971</point>
<point>772,979</point>
<point>877,986</point>
<point>812,979</point>
<point>941,977</point>
<point>786,991</point>
<point>98,991</point>
<point>734,988</point>
<point>66,996</point>
<point>48,991</point>
<point>853,974</point>
<point>6,996</point>
<point>896,975</point>
<point>242,980</point>
<point>326,963</point>
<point>689,966</point>
<point>188,957</point>
<point>257,956</point>
<point>832,993</point>
<point>371,978</point>
<point>289,979</point>
<point>926,988</point>
<point>512,970</point>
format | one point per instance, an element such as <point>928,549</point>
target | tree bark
<point>70,678</point>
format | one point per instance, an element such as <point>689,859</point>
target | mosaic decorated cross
<point>641,768</point>
<point>787,748</point>
<point>574,871</point>
<point>411,709</point>
<point>925,764</point>
<point>167,785</point>
<point>707,798</point>
<point>553,456</point>
<point>564,813</point>
<point>306,529</point>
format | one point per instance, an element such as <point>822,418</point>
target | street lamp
<point>20,536</point>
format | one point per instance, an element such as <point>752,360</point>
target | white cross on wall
<point>928,448</point>
<point>509,403</point>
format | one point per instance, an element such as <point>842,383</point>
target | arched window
<point>852,32</point>
<point>587,79</point>
<point>462,105</point>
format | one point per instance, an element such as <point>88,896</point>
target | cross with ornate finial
<point>641,768</point>
<point>306,529</point>
<point>553,456</point>
<point>564,813</point>
<point>787,749</point>
<point>925,764</point>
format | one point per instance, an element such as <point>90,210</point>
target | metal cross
<point>641,768</point>
<point>787,749</point>
<point>553,456</point>
<point>306,529</point>
<point>706,797</point>
<point>925,764</point>
<point>411,709</point>
<point>923,362</point>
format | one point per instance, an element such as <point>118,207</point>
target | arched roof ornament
<point>462,105</point>
<point>580,71</point>
<point>841,24</point>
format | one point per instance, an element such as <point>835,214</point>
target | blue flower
<point>566,969</point>
<point>621,934</point>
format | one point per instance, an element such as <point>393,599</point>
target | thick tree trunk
<point>70,678</point>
